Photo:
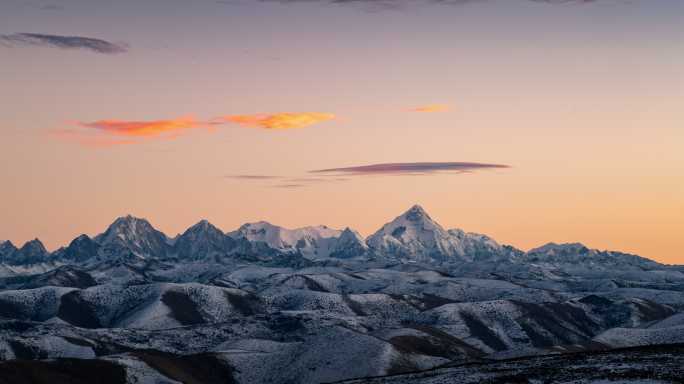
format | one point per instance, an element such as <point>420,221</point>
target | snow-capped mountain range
<point>264,303</point>
<point>411,237</point>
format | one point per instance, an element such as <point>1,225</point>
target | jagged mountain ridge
<point>31,252</point>
<point>577,253</point>
<point>411,237</point>
<point>313,242</point>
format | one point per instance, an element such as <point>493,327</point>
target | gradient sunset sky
<point>565,118</point>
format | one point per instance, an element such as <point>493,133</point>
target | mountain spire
<point>129,233</point>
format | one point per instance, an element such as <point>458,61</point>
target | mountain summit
<point>414,236</point>
<point>134,235</point>
<point>201,241</point>
<point>313,242</point>
<point>33,252</point>
<point>6,250</point>
<point>350,244</point>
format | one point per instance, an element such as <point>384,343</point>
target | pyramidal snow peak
<point>134,235</point>
<point>414,236</point>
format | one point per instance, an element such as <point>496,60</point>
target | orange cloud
<point>108,133</point>
<point>145,128</point>
<point>431,108</point>
<point>284,120</point>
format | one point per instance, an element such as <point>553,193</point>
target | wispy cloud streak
<point>287,182</point>
<point>285,120</point>
<point>64,42</point>
<point>288,186</point>
<point>315,180</point>
<point>330,175</point>
<point>108,133</point>
<point>420,168</point>
<point>145,128</point>
<point>253,177</point>
<point>431,108</point>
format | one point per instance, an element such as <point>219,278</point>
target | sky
<point>530,121</point>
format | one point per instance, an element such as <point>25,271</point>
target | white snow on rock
<point>414,236</point>
<point>313,242</point>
